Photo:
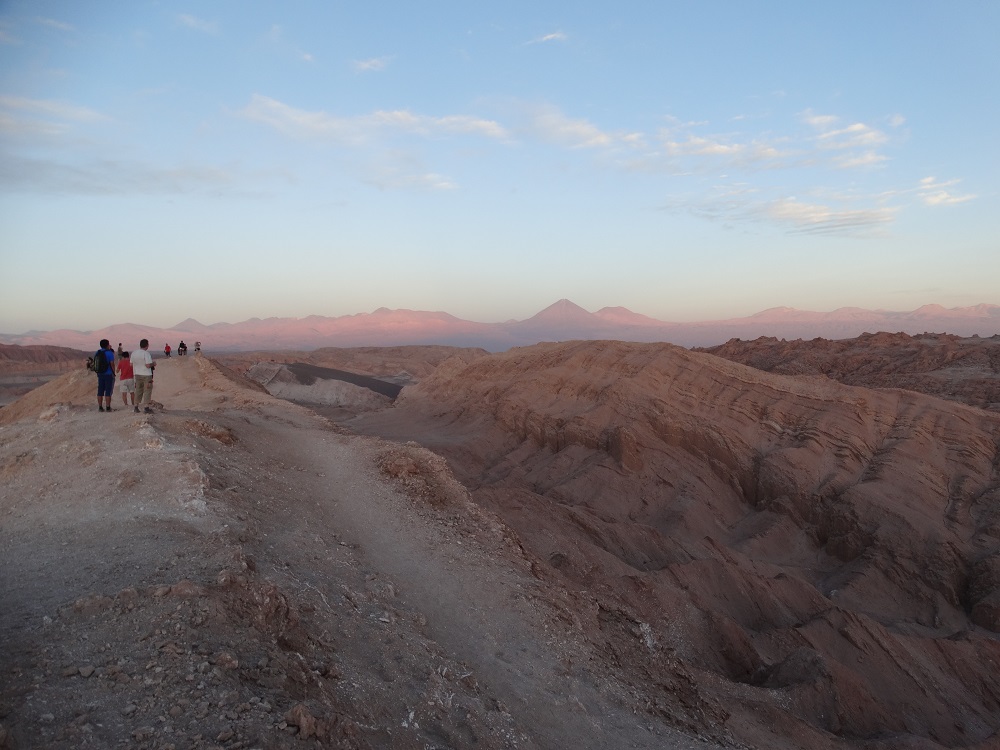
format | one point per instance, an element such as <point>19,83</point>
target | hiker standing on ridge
<point>126,378</point>
<point>143,366</point>
<point>104,366</point>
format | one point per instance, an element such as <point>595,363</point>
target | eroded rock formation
<point>814,556</point>
<point>952,367</point>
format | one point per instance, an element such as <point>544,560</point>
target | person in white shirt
<point>142,363</point>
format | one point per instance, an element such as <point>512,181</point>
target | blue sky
<point>689,161</point>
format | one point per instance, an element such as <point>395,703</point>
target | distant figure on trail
<point>119,352</point>
<point>197,348</point>
<point>166,350</point>
<point>126,379</point>
<point>104,366</point>
<point>182,349</point>
<point>143,366</point>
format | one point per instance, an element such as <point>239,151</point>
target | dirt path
<point>242,561</point>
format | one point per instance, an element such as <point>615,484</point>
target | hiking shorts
<point>143,388</point>
<point>105,384</point>
<point>126,386</point>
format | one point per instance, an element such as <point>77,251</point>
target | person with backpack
<point>103,363</point>
<point>142,367</point>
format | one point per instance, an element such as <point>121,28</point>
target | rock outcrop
<point>959,369</point>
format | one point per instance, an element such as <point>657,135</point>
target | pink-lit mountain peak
<point>562,311</point>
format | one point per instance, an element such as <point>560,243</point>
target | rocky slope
<point>232,572</point>
<point>960,369</point>
<point>820,561</point>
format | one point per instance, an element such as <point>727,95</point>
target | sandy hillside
<point>232,571</point>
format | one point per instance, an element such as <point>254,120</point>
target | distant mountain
<point>561,321</point>
<point>190,325</point>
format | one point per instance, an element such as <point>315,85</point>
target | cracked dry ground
<point>233,572</point>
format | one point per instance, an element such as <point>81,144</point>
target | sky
<point>689,161</point>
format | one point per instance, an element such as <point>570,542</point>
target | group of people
<point>182,349</point>
<point>135,374</point>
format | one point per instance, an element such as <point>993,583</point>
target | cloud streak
<point>111,177</point>
<point>815,218</point>
<point>550,124</point>
<point>50,108</point>
<point>373,64</point>
<point>198,24</point>
<point>742,203</point>
<point>935,193</point>
<point>362,128</point>
<point>555,36</point>
<point>54,24</point>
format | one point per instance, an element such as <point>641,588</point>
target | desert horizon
<point>560,321</point>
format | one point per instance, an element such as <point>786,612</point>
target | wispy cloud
<point>112,177</point>
<point>353,129</point>
<point>867,159</point>
<point>814,218</point>
<point>51,108</point>
<point>935,193</point>
<point>403,176</point>
<point>742,203</point>
<point>372,64</point>
<point>855,135</point>
<point>555,36</point>
<point>550,124</point>
<point>729,150</point>
<point>830,135</point>
<point>797,198</point>
<point>35,119</point>
<point>821,122</point>
<point>53,24</point>
<point>198,24</point>
<point>682,148</point>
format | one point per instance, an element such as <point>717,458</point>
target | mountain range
<point>561,321</point>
